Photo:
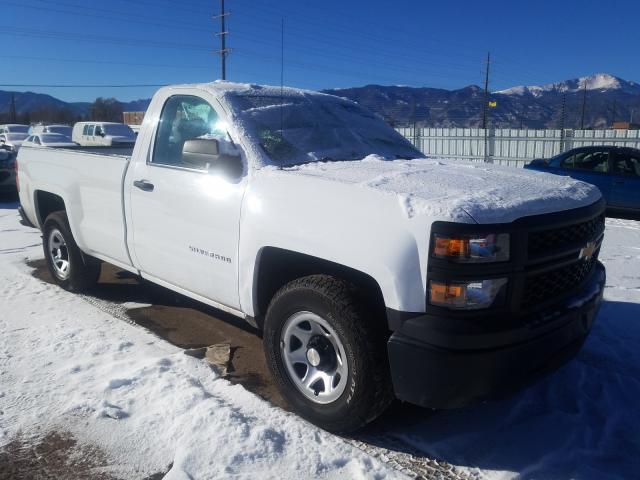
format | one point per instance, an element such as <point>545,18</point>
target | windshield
<point>17,129</point>
<point>308,128</point>
<point>118,130</point>
<point>62,129</point>
<point>16,137</point>
<point>55,138</point>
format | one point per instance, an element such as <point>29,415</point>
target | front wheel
<point>328,357</point>
<point>69,267</point>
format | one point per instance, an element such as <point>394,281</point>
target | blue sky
<point>327,43</point>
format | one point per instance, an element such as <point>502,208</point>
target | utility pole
<point>614,112</point>
<point>631,115</point>
<point>485,108</point>
<point>13,115</point>
<point>564,100</point>
<point>486,92</point>
<point>584,103</point>
<point>224,51</point>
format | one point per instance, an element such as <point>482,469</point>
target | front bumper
<point>443,377</point>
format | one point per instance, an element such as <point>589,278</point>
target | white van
<point>92,134</point>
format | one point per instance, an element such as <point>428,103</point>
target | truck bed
<point>90,181</point>
<point>125,151</point>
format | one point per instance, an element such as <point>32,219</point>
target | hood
<point>121,139</point>
<point>455,191</point>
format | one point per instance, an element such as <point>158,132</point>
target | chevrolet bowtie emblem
<point>587,251</point>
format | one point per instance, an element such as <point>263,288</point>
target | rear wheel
<point>326,353</point>
<point>69,267</point>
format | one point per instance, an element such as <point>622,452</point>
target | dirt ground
<point>186,324</point>
<point>55,457</point>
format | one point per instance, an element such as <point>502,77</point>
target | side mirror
<point>204,154</point>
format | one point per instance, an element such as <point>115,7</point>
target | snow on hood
<point>456,190</point>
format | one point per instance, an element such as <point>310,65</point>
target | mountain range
<point>606,98</point>
<point>32,102</point>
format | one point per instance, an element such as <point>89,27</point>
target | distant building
<point>625,126</point>
<point>133,118</point>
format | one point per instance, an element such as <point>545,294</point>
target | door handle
<point>619,182</point>
<point>143,185</point>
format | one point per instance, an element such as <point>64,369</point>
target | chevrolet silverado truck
<point>372,271</point>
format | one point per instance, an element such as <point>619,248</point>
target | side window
<point>90,130</point>
<point>589,161</point>
<point>626,164</point>
<point>184,117</point>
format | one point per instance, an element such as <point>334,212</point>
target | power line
<point>106,62</point>
<point>74,37</point>
<point>101,15</point>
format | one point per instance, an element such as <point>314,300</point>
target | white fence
<point>511,146</point>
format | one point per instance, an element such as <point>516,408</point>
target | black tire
<point>368,389</point>
<point>82,270</point>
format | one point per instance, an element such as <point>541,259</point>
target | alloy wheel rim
<point>59,254</point>
<point>314,357</point>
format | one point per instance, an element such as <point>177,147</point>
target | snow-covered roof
<point>222,88</point>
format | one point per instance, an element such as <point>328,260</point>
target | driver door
<point>185,221</point>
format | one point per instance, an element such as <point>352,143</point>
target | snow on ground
<point>67,366</point>
<point>64,365</point>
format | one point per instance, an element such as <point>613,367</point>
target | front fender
<point>361,229</point>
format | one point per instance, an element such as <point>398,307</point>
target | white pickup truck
<point>373,272</point>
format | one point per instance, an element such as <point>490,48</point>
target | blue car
<point>614,170</point>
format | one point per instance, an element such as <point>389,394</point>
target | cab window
<point>589,161</point>
<point>183,117</point>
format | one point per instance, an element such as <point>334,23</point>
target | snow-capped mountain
<point>600,81</point>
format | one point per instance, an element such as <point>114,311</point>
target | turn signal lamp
<point>468,295</point>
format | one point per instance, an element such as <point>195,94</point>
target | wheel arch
<point>275,267</point>
<point>46,203</point>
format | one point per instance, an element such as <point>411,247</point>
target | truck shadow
<point>583,421</point>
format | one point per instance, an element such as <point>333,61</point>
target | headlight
<point>472,248</point>
<point>468,295</point>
